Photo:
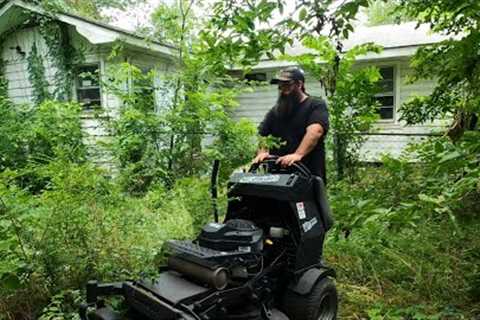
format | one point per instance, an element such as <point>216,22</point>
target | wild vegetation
<point>405,244</point>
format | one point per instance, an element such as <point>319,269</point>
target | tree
<point>164,144</point>
<point>454,63</point>
<point>244,32</point>
<point>455,66</point>
<point>384,12</point>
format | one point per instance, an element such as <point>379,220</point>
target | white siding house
<point>399,42</point>
<point>95,40</point>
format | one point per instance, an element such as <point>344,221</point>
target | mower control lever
<point>271,165</point>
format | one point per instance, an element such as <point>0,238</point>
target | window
<point>88,86</point>
<point>256,77</point>
<point>386,95</point>
<point>143,88</point>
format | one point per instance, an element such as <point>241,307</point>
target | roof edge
<point>130,37</point>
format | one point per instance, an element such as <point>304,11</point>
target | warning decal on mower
<point>301,210</point>
<point>308,225</point>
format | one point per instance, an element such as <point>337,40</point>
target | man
<point>300,121</point>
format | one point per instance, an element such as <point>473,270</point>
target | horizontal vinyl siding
<point>393,145</point>
<point>20,90</point>
<point>254,105</point>
<point>376,146</point>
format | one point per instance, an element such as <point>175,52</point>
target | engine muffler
<point>217,278</point>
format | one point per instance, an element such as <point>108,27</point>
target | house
<point>22,36</point>
<point>400,42</point>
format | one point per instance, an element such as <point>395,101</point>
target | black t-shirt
<point>293,129</point>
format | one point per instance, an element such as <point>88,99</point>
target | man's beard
<point>286,104</point>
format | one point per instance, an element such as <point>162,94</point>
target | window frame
<point>145,68</point>
<point>394,93</point>
<point>77,86</point>
<point>255,75</point>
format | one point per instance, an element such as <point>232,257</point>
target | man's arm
<point>312,135</point>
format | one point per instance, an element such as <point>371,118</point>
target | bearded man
<point>300,121</point>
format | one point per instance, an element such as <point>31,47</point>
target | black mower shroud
<point>262,262</point>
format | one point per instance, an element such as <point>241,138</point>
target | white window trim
<point>156,77</point>
<point>99,66</point>
<point>396,90</point>
<point>397,85</point>
<point>103,97</point>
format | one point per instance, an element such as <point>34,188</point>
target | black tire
<point>320,304</point>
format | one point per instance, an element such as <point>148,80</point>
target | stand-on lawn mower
<point>262,262</point>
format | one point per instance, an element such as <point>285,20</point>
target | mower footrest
<point>150,306</point>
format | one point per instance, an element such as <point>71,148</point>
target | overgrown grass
<point>84,228</point>
<point>399,252</point>
<point>424,269</point>
<point>415,266</point>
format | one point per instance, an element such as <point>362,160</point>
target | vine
<point>63,55</point>
<point>3,78</point>
<point>36,75</point>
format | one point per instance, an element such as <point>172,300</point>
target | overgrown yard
<point>398,253</point>
<point>405,244</point>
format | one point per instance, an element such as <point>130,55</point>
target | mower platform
<point>166,297</point>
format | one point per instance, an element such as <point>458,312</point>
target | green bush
<point>159,144</point>
<point>405,235</point>
<point>32,136</point>
<point>84,228</point>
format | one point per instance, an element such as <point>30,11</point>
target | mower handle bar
<point>272,160</point>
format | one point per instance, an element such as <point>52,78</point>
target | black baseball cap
<point>289,74</point>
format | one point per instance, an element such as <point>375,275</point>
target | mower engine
<point>222,252</point>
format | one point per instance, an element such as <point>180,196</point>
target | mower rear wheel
<point>320,304</point>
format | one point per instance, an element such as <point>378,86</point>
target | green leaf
<point>450,156</point>
<point>303,14</point>
<point>429,199</point>
<point>5,245</point>
<point>10,281</point>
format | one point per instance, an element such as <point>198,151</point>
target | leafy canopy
<point>453,63</point>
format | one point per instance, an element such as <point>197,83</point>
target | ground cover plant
<point>410,251</point>
<point>413,243</point>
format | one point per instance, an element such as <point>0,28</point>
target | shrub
<point>405,235</point>
<point>82,227</point>
<point>32,136</point>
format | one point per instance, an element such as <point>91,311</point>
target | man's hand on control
<point>313,133</point>
<point>289,159</point>
<point>262,155</point>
